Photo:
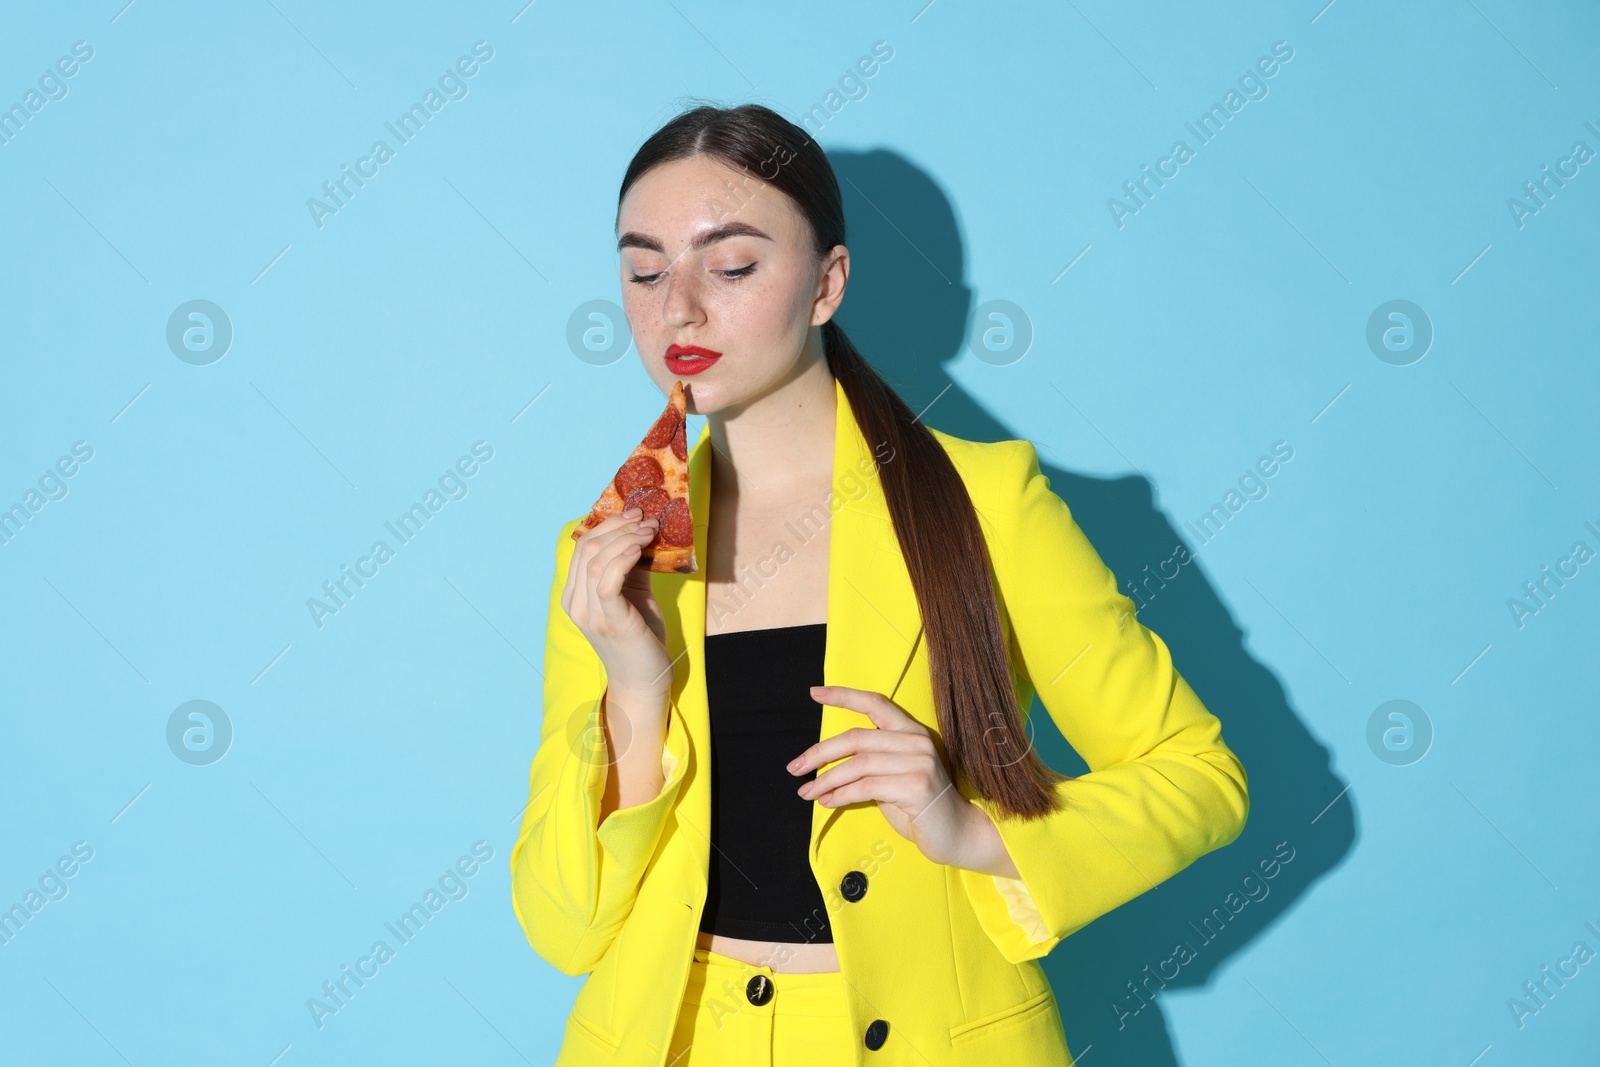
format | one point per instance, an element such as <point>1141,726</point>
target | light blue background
<point>431,312</point>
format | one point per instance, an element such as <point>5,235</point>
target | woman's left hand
<point>896,765</point>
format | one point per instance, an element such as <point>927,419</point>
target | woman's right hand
<point>609,599</point>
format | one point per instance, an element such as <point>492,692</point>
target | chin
<point>709,398</point>
<point>701,398</point>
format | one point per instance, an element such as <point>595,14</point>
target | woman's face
<point>716,258</point>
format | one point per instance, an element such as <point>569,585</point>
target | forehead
<point>674,201</point>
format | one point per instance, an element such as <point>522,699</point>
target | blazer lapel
<point>874,624</point>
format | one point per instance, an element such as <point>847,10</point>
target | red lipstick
<point>690,359</point>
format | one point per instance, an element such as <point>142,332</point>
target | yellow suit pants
<point>743,1015</point>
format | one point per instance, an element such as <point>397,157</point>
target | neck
<point>780,443</point>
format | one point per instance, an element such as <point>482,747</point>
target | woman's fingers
<point>883,789</point>
<point>619,558</point>
<point>605,570</point>
<point>861,765</point>
<point>883,712</point>
<point>605,605</point>
<point>593,559</point>
<point>860,739</point>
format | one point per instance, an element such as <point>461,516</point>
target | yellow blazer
<point>947,957</point>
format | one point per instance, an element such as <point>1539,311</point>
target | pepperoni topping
<point>677,528</point>
<point>640,472</point>
<point>680,442</point>
<point>667,427</point>
<point>652,500</point>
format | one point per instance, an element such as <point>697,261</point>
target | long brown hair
<point>932,512</point>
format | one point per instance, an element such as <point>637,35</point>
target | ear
<point>831,279</point>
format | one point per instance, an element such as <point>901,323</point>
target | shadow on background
<point>907,310</point>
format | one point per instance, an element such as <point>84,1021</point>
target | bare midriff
<point>781,956</point>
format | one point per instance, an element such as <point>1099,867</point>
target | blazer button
<point>877,1034</point>
<point>853,886</point>
<point>758,990</point>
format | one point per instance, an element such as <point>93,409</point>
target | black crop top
<point>762,716</point>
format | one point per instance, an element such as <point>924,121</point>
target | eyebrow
<point>631,239</point>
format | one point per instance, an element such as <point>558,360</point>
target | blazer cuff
<point>1008,913</point>
<point>628,836</point>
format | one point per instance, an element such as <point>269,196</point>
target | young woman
<point>755,867</point>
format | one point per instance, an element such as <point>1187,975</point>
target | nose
<point>682,306</point>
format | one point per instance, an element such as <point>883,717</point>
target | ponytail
<point>935,522</point>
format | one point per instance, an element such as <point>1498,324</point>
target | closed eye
<point>734,273</point>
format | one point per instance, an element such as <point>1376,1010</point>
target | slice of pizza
<point>655,479</point>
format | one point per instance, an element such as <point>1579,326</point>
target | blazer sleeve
<point>1162,789</point>
<point>574,879</point>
